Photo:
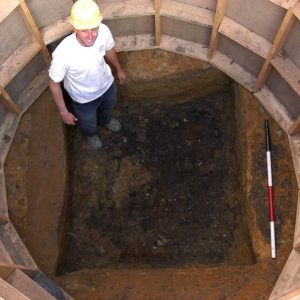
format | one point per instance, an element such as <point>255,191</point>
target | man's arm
<point>112,57</point>
<point>66,116</point>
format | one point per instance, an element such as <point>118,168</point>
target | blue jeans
<point>90,114</point>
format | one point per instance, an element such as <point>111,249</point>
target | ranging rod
<point>270,189</point>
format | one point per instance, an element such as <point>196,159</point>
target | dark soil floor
<point>157,214</point>
<point>162,192</point>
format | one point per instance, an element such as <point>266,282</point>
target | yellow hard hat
<point>85,14</point>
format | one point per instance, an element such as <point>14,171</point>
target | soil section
<point>36,180</point>
<point>251,150</point>
<point>192,283</point>
<point>162,192</point>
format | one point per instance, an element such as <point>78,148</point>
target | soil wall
<point>250,133</point>
<point>36,182</point>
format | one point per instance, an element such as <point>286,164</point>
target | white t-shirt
<point>84,71</point>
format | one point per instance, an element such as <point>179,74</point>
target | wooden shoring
<point>4,218</point>
<point>6,7</point>
<point>295,128</point>
<point>15,247</point>
<point>6,269</point>
<point>34,30</point>
<point>279,40</point>
<point>56,31</point>
<point>294,295</point>
<point>18,60</point>
<point>294,142</point>
<point>296,10</point>
<point>9,102</point>
<point>157,5</point>
<point>23,283</point>
<point>9,292</point>
<point>296,243</point>
<point>288,70</point>
<point>245,37</point>
<point>220,12</point>
<point>135,42</point>
<point>187,13</point>
<point>4,255</point>
<point>281,3</point>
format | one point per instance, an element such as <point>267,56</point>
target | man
<point>79,62</point>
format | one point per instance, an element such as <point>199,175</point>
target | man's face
<point>87,37</point>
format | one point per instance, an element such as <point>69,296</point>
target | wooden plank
<point>263,75</point>
<point>127,9</point>
<point>294,295</point>
<point>220,11</point>
<point>183,47</point>
<point>292,3</point>
<point>220,60</point>
<point>9,102</point>
<point>157,5</point>
<point>56,31</point>
<point>135,42</point>
<point>33,90</point>
<point>245,37</point>
<point>18,60</point>
<point>8,292</point>
<point>7,131</point>
<point>4,219</point>
<point>27,286</point>
<point>233,70</point>
<point>34,30</point>
<point>282,3</point>
<point>294,142</point>
<point>4,255</point>
<point>16,247</point>
<point>6,7</point>
<point>288,70</point>
<point>296,244</point>
<point>3,198</point>
<point>279,40</point>
<point>287,282</point>
<point>295,128</point>
<point>282,34</point>
<point>6,269</point>
<point>296,10</point>
<point>274,107</point>
<point>187,13</point>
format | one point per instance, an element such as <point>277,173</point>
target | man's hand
<point>121,76</point>
<point>68,118</point>
<point>111,56</point>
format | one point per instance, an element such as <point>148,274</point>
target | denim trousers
<point>98,111</point>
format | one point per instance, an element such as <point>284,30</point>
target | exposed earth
<point>163,191</point>
<point>173,207</point>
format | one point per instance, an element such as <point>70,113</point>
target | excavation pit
<point>179,192</point>
<point>162,192</point>
<point>256,44</point>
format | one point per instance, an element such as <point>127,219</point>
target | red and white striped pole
<point>270,189</point>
